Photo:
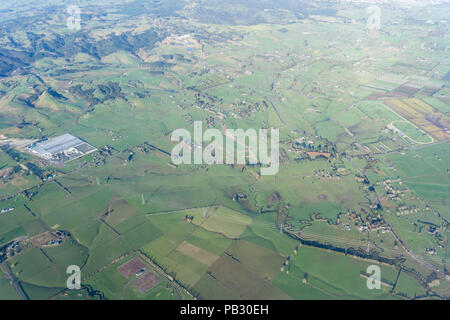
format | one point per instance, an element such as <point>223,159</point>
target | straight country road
<point>15,282</point>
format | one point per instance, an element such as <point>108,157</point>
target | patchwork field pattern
<point>423,115</point>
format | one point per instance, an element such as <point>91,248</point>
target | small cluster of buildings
<point>391,192</point>
<point>324,174</point>
<point>404,209</point>
<point>7,210</point>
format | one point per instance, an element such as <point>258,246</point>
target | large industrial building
<point>61,149</point>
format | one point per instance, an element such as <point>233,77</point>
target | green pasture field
<point>296,289</point>
<point>209,241</point>
<point>437,104</point>
<point>87,208</point>
<point>324,231</point>
<point>424,172</point>
<point>6,161</point>
<point>263,232</point>
<point>238,278</point>
<point>36,292</point>
<point>162,291</point>
<point>185,268</point>
<point>7,291</point>
<point>69,253</point>
<point>93,234</point>
<point>408,286</point>
<point>74,294</point>
<point>34,267</point>
<point>18,184</point>
<point>11,223</point>
<point>174,228</point>
<point>337,275</point>
<point>209,237</point>
<point>49,197</point>
<point>34,227</point>
<point>259,260</point>
<point>116,287</point>
<point>210,288</point>
<point>142,234</point>
<point>103,255</point>
<point>46,267</point>
<point>305,193</point>
<point>221,220</point>
<point>110,281</point>
<point>417,241</point>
